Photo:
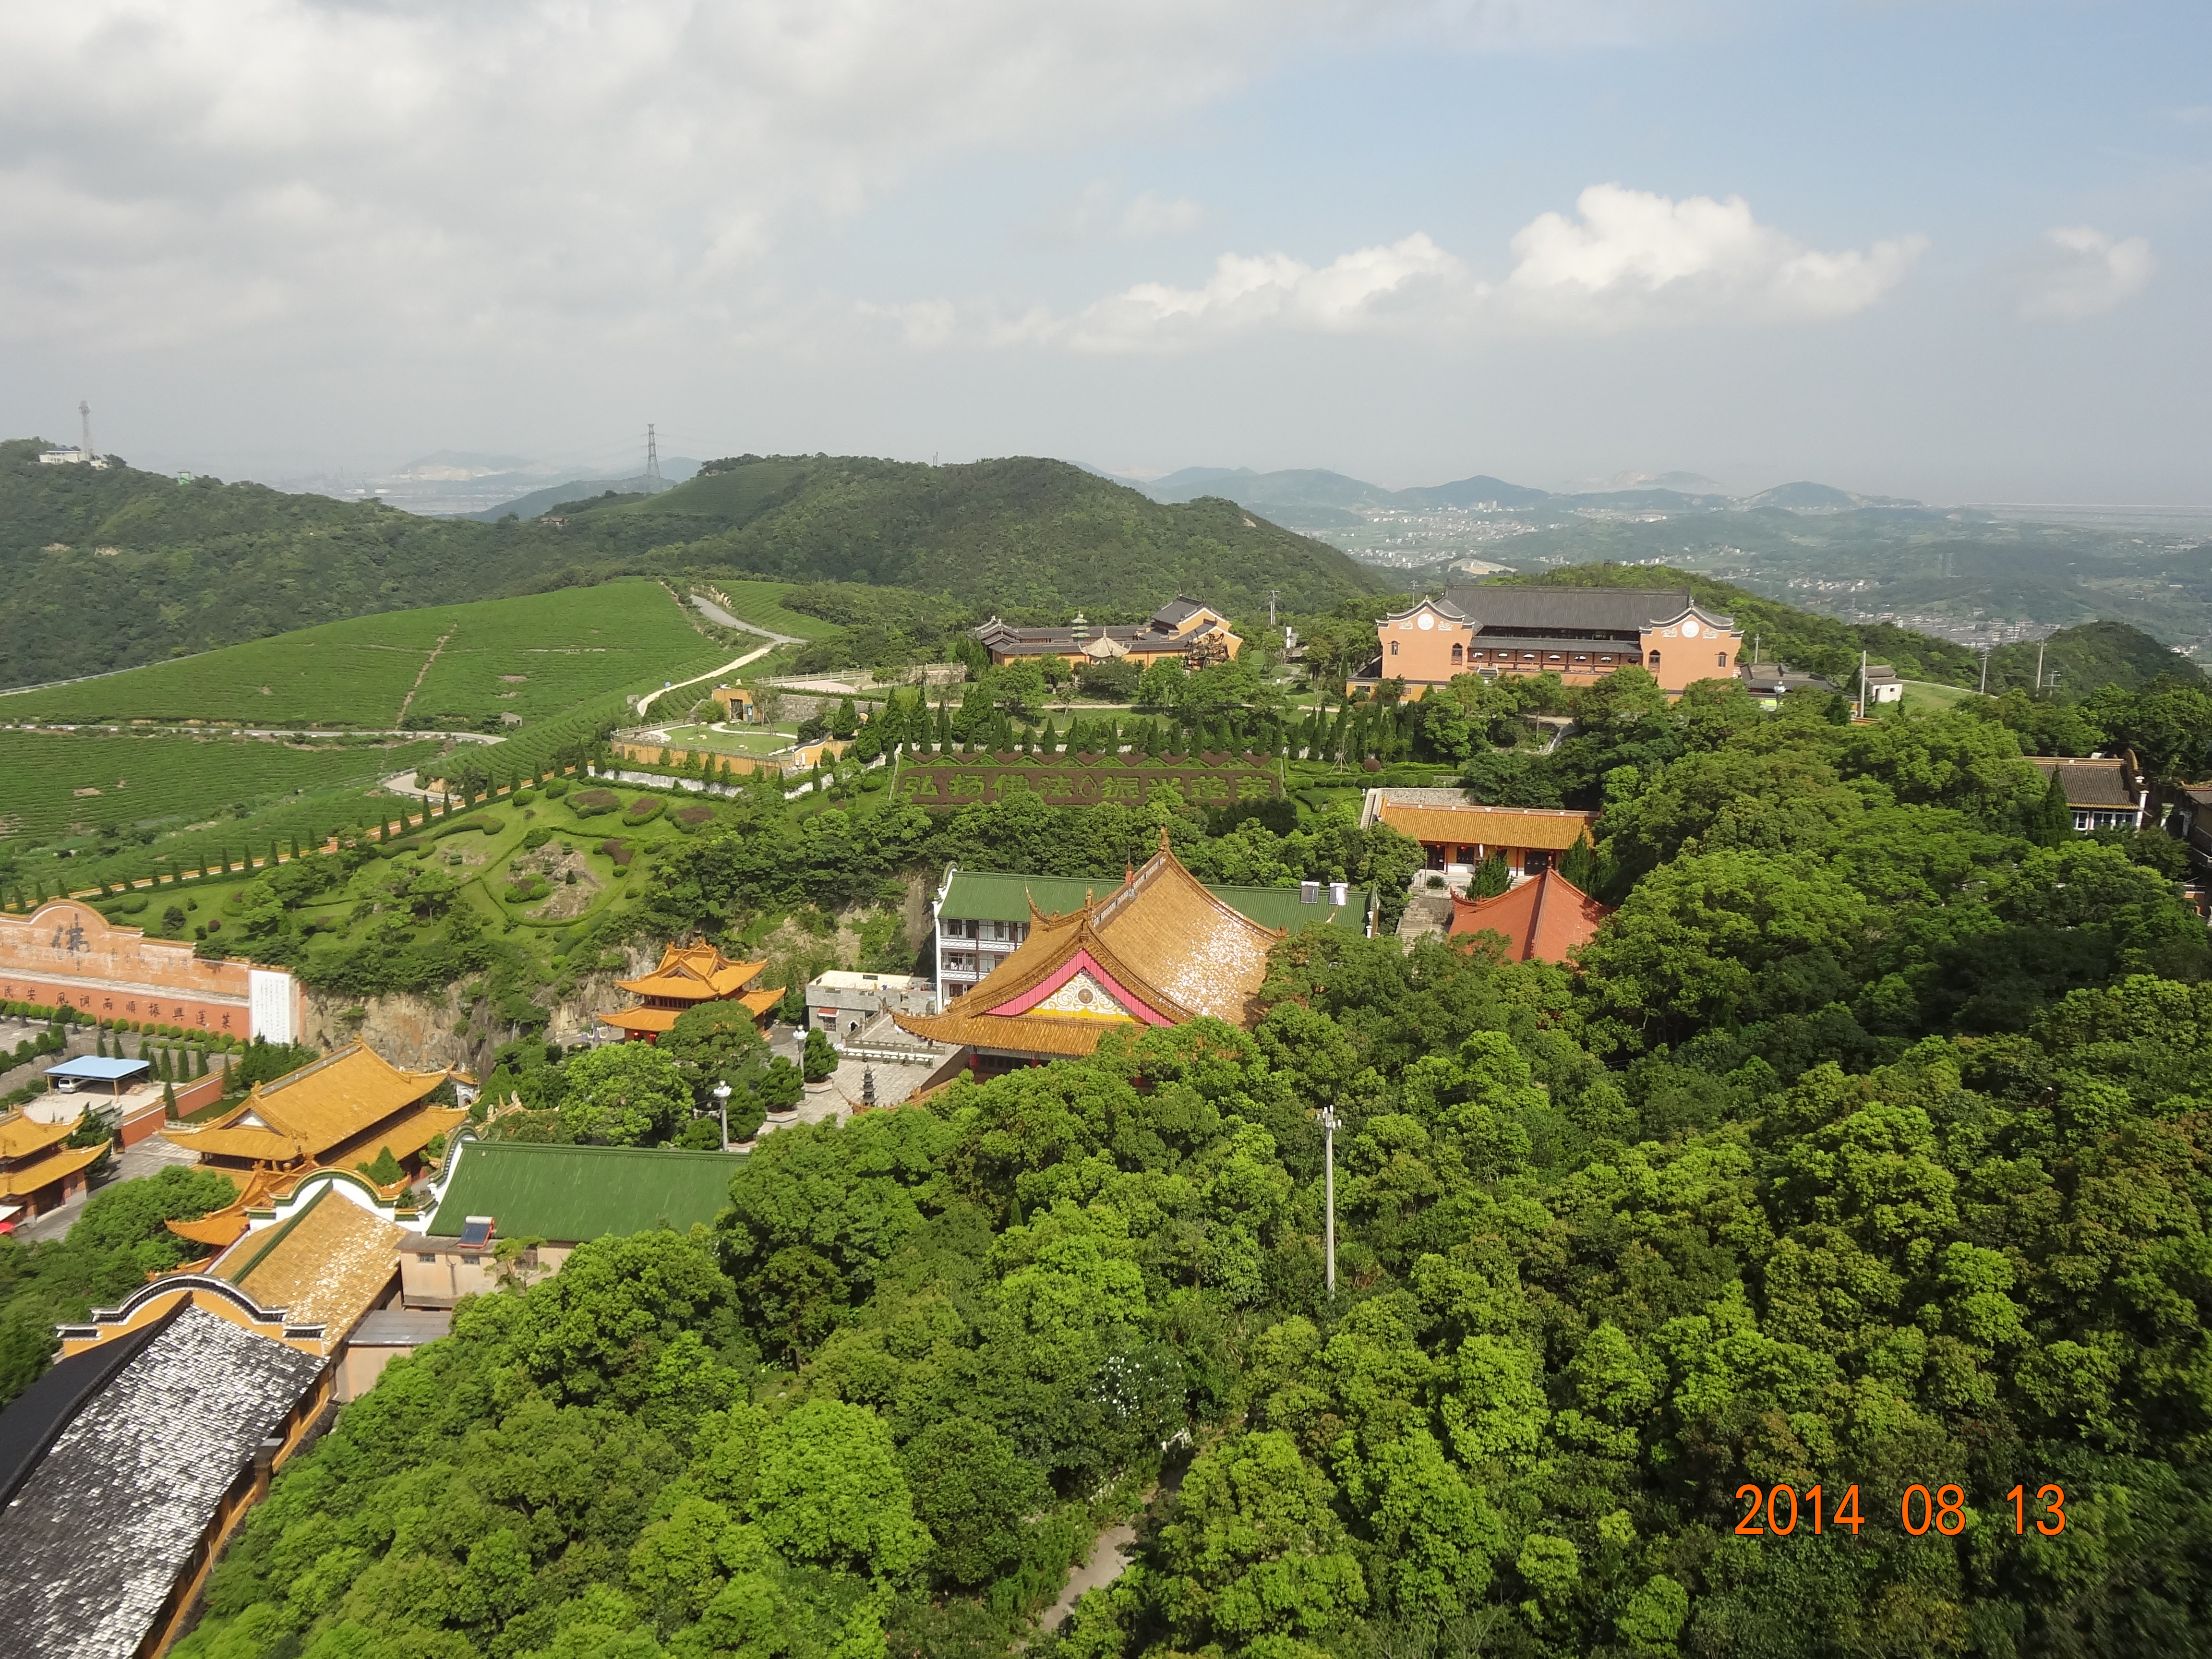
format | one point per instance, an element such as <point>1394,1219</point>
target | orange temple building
<point>1157,950</point>
<point>687,975</point>
<point>1544,919</point>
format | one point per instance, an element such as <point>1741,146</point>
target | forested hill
<point>1819,644</point>
<point>106,569</point>
<point>1015,533</point>
<point>2078,660</point>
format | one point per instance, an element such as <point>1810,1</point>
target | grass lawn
<point>1926,697</point>
<point>745,740</point>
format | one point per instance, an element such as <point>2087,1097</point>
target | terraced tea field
<point>457,666</point>
<point>62,782</point>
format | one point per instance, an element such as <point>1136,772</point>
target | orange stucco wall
<point>1423,656</point>
<point>67,952</point>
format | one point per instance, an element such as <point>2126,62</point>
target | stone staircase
<point>1426,914</point>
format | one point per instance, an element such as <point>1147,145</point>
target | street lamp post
<point>1329,1125</point>
<point>721,1094</point>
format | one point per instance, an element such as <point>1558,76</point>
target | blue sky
<point>1955,251</point>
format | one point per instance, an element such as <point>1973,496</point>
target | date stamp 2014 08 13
<point>1917,1510</point>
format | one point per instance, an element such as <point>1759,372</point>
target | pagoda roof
<point>699,972</point>
<point>1544,919</point>
<point>1157,950</point>
<point>67,1160</point>
<point>316,1110</point>
<point>21,1136</point>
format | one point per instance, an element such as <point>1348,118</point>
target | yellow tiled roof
<point>1489,826</point>
<point>18,1183</point>
<point>696,971</point>
<point>1160,935</point>
<point>327,1266</point>
<point>21,1136</point>
<point>261,1146</point>
<point>320,1106</point>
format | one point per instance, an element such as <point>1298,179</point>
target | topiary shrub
<point>691,819</point>
<point>527,889</point>
<point>644,809</point>
<point>591,803</point>
<point>554,788</point>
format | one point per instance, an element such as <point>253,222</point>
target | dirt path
<point>420,674</point>
<point>1109,1558</point>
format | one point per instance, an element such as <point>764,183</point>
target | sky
<point>1956,250</point>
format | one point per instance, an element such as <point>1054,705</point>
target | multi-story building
<point>1580,634</point>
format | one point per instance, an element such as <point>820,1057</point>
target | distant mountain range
<point>1312,498</point>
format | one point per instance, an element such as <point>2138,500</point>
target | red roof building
<point>1544,919</point>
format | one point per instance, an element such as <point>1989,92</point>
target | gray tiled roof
<point>2091,782</point>
<point>1617,609</point>
<point>94,1540</point>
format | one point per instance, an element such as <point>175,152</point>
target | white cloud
<point>1151,216</point>
<point>373,170</point>
<point>1636,258</point>
<point>2081,272</point>
<point>1629,260</point>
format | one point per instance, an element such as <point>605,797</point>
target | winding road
<point>714,613</point>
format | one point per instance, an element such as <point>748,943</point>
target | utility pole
<point>1861,684</point>
<point>1329,1124</point>
<point>653,481</point>
<point>84,410</point>
<point>1271,607</point>
<point>1985,671</point>
<point>2039,668</point>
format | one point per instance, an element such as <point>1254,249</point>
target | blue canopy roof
<point>94,1069</point>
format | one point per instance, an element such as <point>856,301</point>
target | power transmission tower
<point>653,482</point>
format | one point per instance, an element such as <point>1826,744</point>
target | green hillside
<point>445,667</point>
<point>108,568</point>
<point>1008,534</point>
<point>2077,660</point>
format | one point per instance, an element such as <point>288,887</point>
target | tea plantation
<point>464,665</point>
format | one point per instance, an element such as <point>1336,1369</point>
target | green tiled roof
<point>980,896</point>
<point>566,1194</point>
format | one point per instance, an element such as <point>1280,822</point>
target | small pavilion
<point>687,975</point>
<point>1157,950</point>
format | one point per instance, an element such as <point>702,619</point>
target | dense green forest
<point>1853,1182</point>
<point>103,568</point>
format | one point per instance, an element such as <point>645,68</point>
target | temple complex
<point>1157,950</point>
<point>1183,630</point>
<point>687,975</point>
<point>1544,919</point>
<point>335,1114</point>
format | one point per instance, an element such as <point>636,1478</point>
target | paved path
<point>1109,1558</point>
<point>714,613</point>
<point>729,667</point>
